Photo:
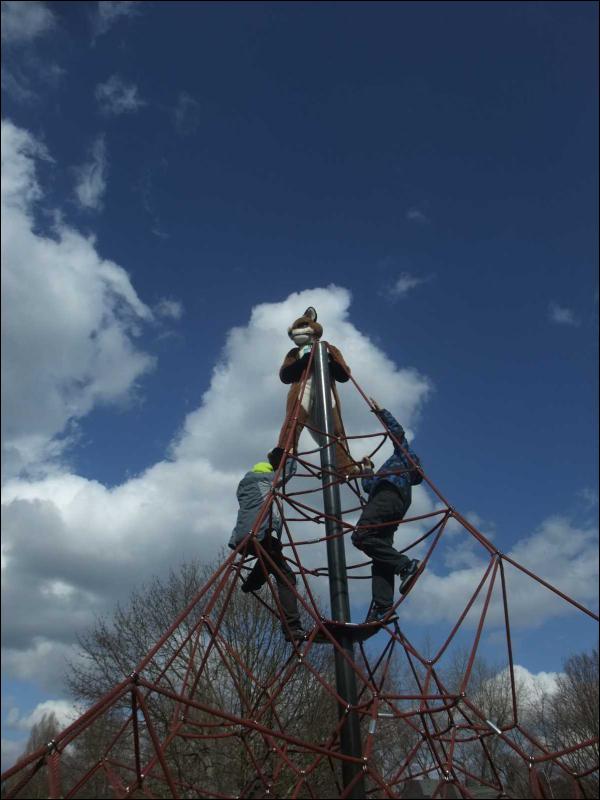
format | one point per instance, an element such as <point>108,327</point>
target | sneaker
<point>408,576</point>
<point>253,582</point>
<point>294,634</point>
<point>381,615</point>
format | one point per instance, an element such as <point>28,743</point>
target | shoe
<point>381,615</point>
<point>408,576</point>
<point>294,634</point>
<point>253,583</point>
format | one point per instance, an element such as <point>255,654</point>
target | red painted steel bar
<point>251,724</point>
<point>463,686</point>
<point>281,748</point>
<point>156,742</point>
<point>513,691</point>
<point>550,587</point>
<point>466,610</point>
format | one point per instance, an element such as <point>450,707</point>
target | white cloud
<point>562,315</point>
<point>415,215</point>
<point>108,13</point>
<point>19,80</point>
<point>116,96</point>
<point>43,661</point>
<point>171,309</point>
<point>64,711</point>
<point>530,689</point>
<point>404,283</point>
<point>91,177</point>
<point>187,114</point>
<point>147,195</point>
<point>17,85</point>
<point>19,185</point>
<point>19,725</point>
<point>11,750</point>
<point>535,683</point>
<point>73,547</point>
<point>192,496</point>
<point>24,22</point>
<point>69,319</point>
<point>560,552</point>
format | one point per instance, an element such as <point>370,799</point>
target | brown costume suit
<point>291,372</point>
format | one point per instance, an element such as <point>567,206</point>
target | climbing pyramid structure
<point>205,714</point>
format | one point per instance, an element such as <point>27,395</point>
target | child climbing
<point>252,490</point>
<point>389,492</point>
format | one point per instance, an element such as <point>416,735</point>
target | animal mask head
<point>306,329</point>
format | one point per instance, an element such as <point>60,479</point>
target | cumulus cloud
<point>17,85</point>
<point>91,177</point>
<point>535,683</point>
<point>405,283</point>
<point>168,308</point>
<point>24,81</point>
<point>108,13</point>
<point>559,551</point>
<point>69,319</point>
<point>24,22</point>
<point>11,750</point>
<point>56,580</point>
<point>416,215</point>
<point>115,96</point>
<point>64,711</point>
<point>18,725</point>
<point>72,547</point>
<point>561,315</point>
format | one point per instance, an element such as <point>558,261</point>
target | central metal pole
<point>338,582</point>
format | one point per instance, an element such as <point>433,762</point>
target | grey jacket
<point>251,493</point>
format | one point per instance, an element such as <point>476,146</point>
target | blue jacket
<point>251,493</point>
<point>397,470</point>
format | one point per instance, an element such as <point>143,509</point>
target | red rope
<point>444,722</point>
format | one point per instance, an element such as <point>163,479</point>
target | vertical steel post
<point>336,561</point>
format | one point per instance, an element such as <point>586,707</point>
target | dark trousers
<point>258,577</point>
<point>386,507</point>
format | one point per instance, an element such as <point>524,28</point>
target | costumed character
<point>304,332</point>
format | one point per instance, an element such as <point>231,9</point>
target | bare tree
<point>42,733</point>
<point>569,716</point>
<point>241,665</point>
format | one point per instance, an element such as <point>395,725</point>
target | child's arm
<point>401,446</point>
<point>290,468</point>
<point>395,428</point>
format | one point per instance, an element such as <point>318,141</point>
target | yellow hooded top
<point>262,466</point>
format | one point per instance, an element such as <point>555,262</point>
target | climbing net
<point>203,714</point>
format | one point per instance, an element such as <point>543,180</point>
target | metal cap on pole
<point>350,740</point>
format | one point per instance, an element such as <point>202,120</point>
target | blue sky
<point>437,162</point>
